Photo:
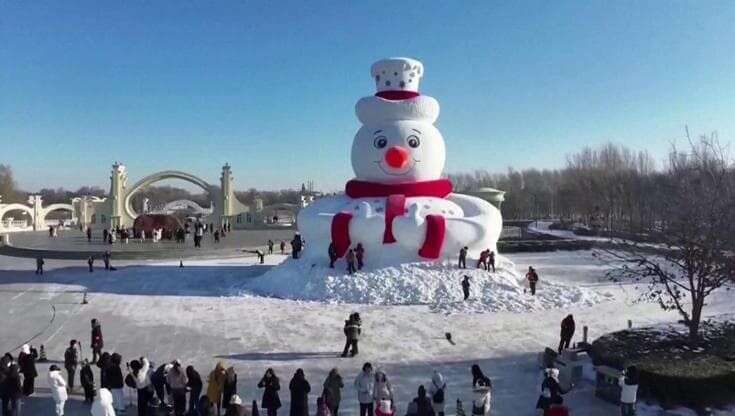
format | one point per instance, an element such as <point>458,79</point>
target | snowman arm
<point>481,224</point>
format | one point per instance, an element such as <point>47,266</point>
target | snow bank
<point>434,284</point>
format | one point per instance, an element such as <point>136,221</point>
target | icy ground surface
<point>210,310</point>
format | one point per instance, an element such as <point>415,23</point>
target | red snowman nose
<point>397,157</point>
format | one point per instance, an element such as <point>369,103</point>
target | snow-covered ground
<point>212,310</point>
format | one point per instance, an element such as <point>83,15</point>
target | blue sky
<point>270,86</point>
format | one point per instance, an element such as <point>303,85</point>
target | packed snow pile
<point>435,284</point>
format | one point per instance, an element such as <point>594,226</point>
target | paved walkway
<point>73,245</point>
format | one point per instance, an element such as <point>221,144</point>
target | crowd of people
<point>176,390</point>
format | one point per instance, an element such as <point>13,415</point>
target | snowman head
<point>398,142</point>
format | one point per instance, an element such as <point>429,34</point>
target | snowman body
<point>398,207</point>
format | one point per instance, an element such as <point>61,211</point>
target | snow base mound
<point>435,284</point>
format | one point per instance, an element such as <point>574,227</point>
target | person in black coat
<point>567,332</point>
<point>11,390</point>
<point>478,376</point>
<point>194,384</point>
<point>300,389</point>
<point>158,380</point>
<point>271,402</point>
<point>71,362</point>
<point>230,387</point>
<point>27,363</point>
<point>423,403</point>
<point>551,391</point>
<point>96,341</point>
<point>86,378</point>
<point>104,364</point>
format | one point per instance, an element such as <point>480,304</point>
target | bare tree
<point>697,212</point>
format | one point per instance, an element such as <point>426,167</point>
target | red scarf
<point>439,188</point>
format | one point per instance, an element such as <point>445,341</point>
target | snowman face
<point>398,152</point>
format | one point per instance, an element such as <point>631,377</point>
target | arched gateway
<point>116,210</point>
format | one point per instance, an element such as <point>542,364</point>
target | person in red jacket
<point>532,278</point>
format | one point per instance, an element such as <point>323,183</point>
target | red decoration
<point>439,188</point>
<point>341,232</point>
<point>397,157</point>
<point>436,228</point>
<point>397,95</point>
<point>395,206</point>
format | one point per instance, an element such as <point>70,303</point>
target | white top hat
<point>397,74</point>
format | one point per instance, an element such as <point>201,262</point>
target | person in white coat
<point>102,405</point>
<point>364,385</point>
<point>438,392</point>
<point>58,388</point>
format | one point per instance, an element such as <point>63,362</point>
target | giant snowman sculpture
<point>399,207</point>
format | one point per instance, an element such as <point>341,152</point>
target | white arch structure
<point>185,203</point>
<point>160,176</point>
<point>36,211</point>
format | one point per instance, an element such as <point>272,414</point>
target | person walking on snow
<point>567,332</point>
<point>364,385</point>
<point>438,392</point>
<point>270,383</point>
<point>39,265</point>
<point>270,246</point>
<point>96,342</point>
<point>90,263</point>
<point>89,234</point>
<point>106,259</point>
<point>332,252</point>
<point>300,390</point>
<point>283,247</point>
<point>532,278</point>
<point>351,261</point>
<point>482,261</point>
<point>628,383</point>
<point>71,361</point>
<point>103,404</point>
<point>332,394</point>
<point>463,257</point>
<point>352,331</point>
<point>58,389</point>
<point>466,287</point>
<point>359,255</point>
<point>491,260</point>
<point>27,363</point>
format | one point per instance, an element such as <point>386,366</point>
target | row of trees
<point>610,187</point>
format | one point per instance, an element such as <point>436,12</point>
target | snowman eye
<point>413,141</point>
<point>380,142</point>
